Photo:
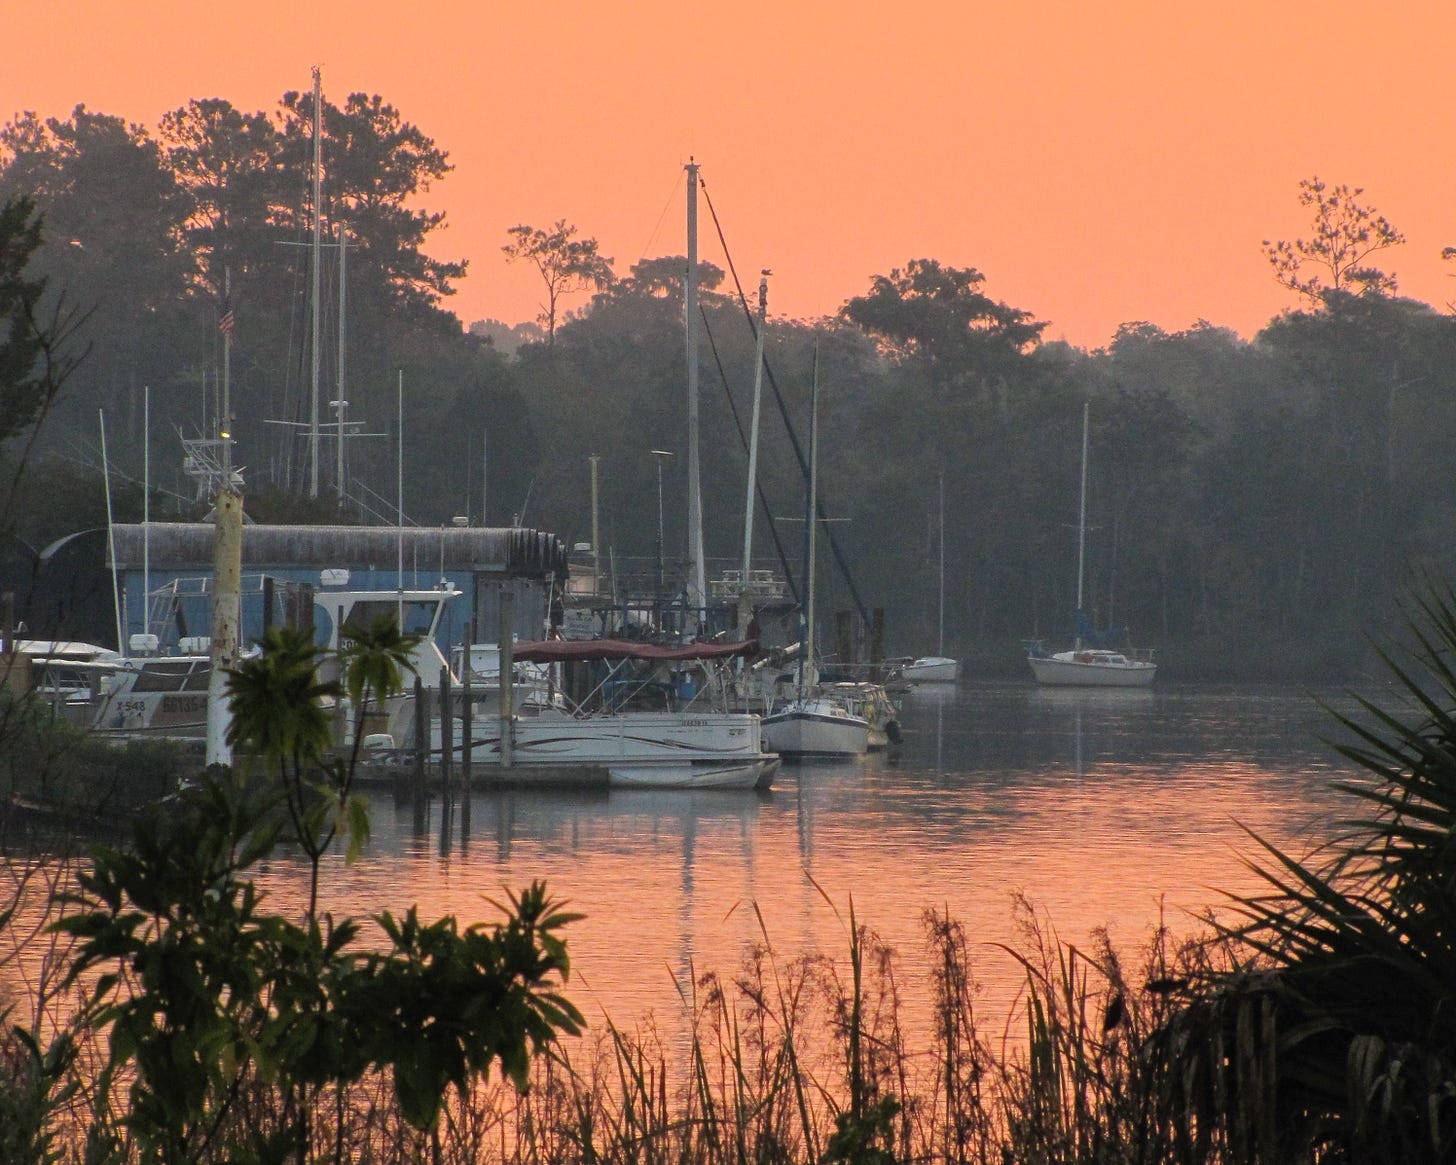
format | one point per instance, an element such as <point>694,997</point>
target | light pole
<point>660,455</point>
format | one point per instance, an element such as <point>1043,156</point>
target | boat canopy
<point>565,650</point>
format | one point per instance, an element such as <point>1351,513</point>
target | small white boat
<point>931,669</point>
<point>815,726</point>
<point>812,724</point>
<point>1093,661</point>
<point>939,668</point>
<point>1092,667</point>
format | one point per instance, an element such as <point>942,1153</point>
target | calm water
<point>1102,808</point>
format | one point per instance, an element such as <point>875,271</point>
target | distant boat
<point>938,668</point>
<point>1093,661</point>
<point>812,723</point>
<point>931,669</point>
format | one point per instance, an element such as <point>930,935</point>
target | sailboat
<point>937,668</point>
<point>1091,662</point>
<point>813,723</point>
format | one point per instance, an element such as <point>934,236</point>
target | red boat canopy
<point>563,650</point>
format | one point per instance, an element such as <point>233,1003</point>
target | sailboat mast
<point>1082,520</point>
<point>743,600</point>
<point>699,590</point>
<point>940,640</point>
<point>341,404</point>
<point>806,638</point>
<point>313,422</point>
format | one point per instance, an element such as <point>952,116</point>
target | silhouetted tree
<point>566,265</point>
<point>1336,256</point>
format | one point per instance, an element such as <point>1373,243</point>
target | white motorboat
<point>661,750</point>
<point>647,719</point>
<point>165,695</point>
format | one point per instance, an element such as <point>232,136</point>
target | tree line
<point>1252,503</point>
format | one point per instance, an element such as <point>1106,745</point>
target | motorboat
<point>650,714</point>
<point>156,693</point>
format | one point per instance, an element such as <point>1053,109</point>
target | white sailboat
<point>1088,663</point>
<point>938,668</point>
<point>813,724</point>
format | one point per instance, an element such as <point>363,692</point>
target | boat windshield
<point>418,615</point>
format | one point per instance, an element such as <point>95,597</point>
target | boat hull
<point>932,670</point>
<point>809,729</point>
<point>753,774</point>
<point>711,750</point>
<point>1063,670</point>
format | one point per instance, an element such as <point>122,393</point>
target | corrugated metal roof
<point>172,546</point>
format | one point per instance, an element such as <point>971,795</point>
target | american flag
<point>227,321</point>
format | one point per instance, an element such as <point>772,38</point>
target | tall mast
<point>806,640</point>
<point>940,641</point>
<point>313,423</point>
<point>699,585</point>
<point>744,601</point>
<point>341,403</point>
<point>1082,521</point>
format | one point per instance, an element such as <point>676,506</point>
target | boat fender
<point>892,730</point>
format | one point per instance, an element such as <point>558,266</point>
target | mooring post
<point>447,760</point>
<point>467,736</point>
<point>422,747</point>
<point>507,676</point>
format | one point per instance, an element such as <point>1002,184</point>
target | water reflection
<point>1105,808</point>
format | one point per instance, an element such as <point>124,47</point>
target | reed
<point>784,1060</point>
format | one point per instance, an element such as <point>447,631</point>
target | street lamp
<point>660,455</point>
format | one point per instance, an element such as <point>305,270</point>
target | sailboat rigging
<point>938,668</point>
<point>1091,662</point>
<point>813,724</point>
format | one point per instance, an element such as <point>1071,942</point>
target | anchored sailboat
<point>1092,662</point>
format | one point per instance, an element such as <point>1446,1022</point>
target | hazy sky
<point>1098,162</point>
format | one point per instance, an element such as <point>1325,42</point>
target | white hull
<point>163,697</point>
<point>1092,669</point>
<point>689,750</point>
<point>933,669</point>
<point>815,728</point>
<point>756,774</point>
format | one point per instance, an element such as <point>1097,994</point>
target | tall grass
<point>809,1058</point>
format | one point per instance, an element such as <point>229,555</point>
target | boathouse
<point>163,572</point>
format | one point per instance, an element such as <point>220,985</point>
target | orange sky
<point>1100,163</point>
